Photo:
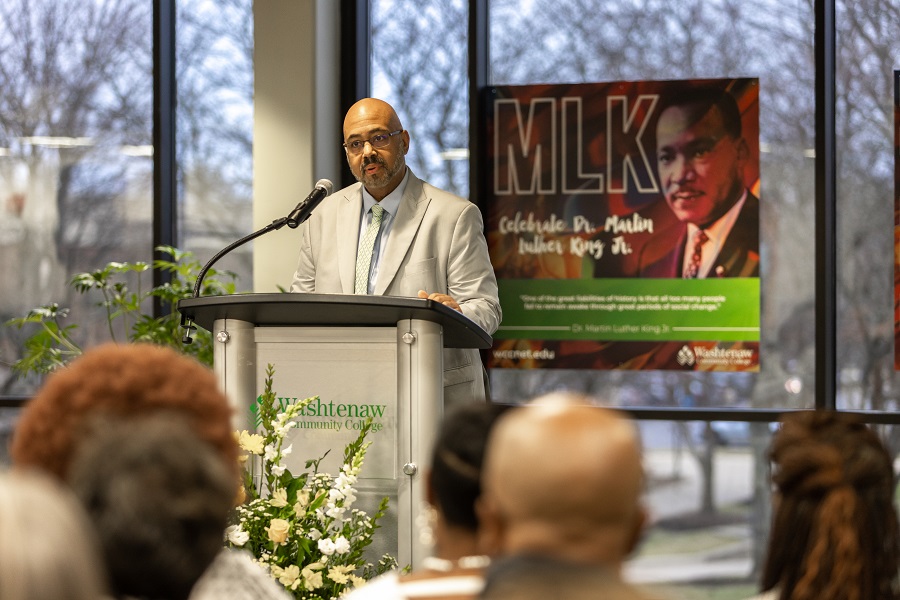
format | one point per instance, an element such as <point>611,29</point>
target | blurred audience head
<point>454,479</point>
<point>120,381</point>
<point>47,546</point>
<point>834,533</point>
<point>563,479</point>
<point>159,498</point>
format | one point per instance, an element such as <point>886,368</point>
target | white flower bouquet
<point>303,528</point>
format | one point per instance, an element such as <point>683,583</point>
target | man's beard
<point>378,181</point>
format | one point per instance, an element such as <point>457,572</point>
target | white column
<point>296,125</point>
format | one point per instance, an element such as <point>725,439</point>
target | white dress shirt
<point>390,204</point>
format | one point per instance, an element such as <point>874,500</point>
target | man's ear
<point>404,137</point>
<point>637,530</point>
<point>491,526</point>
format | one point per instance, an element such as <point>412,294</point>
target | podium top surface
<point>334,310</point>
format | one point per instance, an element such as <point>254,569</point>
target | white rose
<point>326,546</point>
<point>341,545</point>
<point>278,530</point>
<point>236,535</point>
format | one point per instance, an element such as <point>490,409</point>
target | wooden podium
<point>362,355</point>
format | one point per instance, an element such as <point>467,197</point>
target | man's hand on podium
<point>442,298</point>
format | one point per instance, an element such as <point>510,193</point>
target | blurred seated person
<point>135,381</point>
<point>453,485</point>
<point>834,532</point>
<point>159,498</point>
<point>561,502</point>
<point>47,546</point>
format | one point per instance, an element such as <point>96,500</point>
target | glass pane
<point>709,506</point>
<point>76,164</point>
<point>8,419</point>
<point>868,49</point>
<point>587,41</point>
<point>214,66</point>
<point>426,82</point>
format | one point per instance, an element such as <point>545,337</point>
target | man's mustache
<point>373,160</point>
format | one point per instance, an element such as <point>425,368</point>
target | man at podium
<point>393,234</point>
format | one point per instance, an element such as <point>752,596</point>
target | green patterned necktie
<point>364,254</point>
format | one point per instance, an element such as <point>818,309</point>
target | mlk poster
<point>623,224</point>
<point>896,220</point>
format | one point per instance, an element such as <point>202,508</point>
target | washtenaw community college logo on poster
<point>623,224</point>
<point>686,357</point>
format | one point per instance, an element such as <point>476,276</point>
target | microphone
<point>297,216</point>
<point>303,210</point>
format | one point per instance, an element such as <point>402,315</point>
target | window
<point>708,483</point>
<point>76,154</point>
<point>214,67</point>
<point>867,52</point>
<point>426,82</point>
<point>75,157</point>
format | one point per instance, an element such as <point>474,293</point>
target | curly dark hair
<point>835,532</point>
<point>120,381</point>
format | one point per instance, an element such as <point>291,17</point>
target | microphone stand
<point>297,216</point>
<point>187,323</point>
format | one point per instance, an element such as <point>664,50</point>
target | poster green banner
<point>630,309</point>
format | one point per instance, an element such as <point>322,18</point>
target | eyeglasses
<point>376,141</point>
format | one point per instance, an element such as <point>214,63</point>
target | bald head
<point>371,111</point>
<point>563,478</point>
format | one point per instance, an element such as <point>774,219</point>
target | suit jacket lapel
<point>409,217</point>
<point>739,256</point>
<point>348,237</point>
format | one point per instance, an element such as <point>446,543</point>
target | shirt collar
<point>719,230</point>
<point>391,202</point>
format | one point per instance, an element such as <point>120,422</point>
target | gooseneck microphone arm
<point>297,216</point>
<point>273,226</point>
<point>187,323</point>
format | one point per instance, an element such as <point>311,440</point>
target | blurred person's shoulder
<point>235,575</point>
<point>770,595</point>
<point>462,585</point>
<point>542,578</point>
<point>383,587</point>
<point>453,584</point>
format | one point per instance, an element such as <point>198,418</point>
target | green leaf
<point>318,501</point>
<point>118,292</point>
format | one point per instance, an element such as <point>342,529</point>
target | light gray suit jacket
<point>436,244</point>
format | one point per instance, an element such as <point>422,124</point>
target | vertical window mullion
<point>826,195</point>
<point>165,213</point>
